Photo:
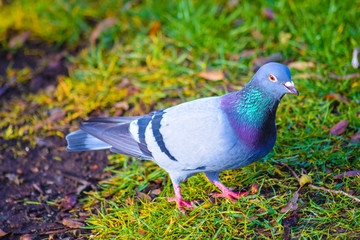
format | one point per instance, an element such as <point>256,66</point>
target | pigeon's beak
<point>291,88</point>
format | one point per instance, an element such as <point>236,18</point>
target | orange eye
<point>272,78</point>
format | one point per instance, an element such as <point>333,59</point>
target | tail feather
<point>113,119</point>
<point>118,135</point>
<point>108,133</point>
<point>82,141</point>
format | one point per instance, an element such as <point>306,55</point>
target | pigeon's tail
<point>82,141</point>
<point>108,133</point>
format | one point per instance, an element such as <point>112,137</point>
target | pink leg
<point>179,200</point>
<point>226,193</point>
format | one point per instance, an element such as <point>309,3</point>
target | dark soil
<point>46,65</point>
<point>40,187</point>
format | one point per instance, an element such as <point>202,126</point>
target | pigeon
<point>208,135</point>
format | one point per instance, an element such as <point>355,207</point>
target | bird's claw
<point>230,195</point>
<point>182,203</point>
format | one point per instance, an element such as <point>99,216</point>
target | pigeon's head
<point>275,79</point>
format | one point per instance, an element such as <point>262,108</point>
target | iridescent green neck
<point>254,106</point>
<point>251,113</point>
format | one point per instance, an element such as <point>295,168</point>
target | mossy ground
<point>150,58</point>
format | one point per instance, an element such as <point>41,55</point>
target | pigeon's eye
<point>272,78</point>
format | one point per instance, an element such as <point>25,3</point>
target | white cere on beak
<point>290,84</point>
<point>291,87</point>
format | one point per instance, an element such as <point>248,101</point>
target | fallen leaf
<point>2,233</point>
<point>72,223</point>
<point>142,195</point>
<point>307,76</point>
<point>122,105</point>
<point>254,189</point>
<point>158,181</point>
<point>100,27</point>
<point>257,34</point>
<point>13,178</point>
<point>347,174</point>
<point>68,202</point>
<point>156,191</point>
<point>212,75</point>
<point>133,89</point>
<point>247,53</point>
<point>233,3</point>
<point>243,54</point>
<point>154,28</point>
<point>56,114</point>
<point>355,137</point>
<point>124,83</point>
<point>284,37</point>
<point>19,40</point>
<point>292,204</point>
<point>258,62</point>
<point>268,13</point>
<point>336,96</point>
<point>304,179</point>
<point>339,128</point>
<point>301,65</point>
<point>327,170</point>
<point>237,22</point>
<point>93,167</point>
<point>354,60</point>
<point>26,237</point>
<point>232,57</point>
<point>84,214</point>
<point>141,232</point>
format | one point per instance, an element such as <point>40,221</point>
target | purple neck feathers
<point>251,113</point>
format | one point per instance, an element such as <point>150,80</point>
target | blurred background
<point>62,62</point>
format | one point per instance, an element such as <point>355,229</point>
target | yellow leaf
<point>305,179</point>
<point>284,37</point>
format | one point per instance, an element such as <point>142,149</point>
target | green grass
<point>163,71</point>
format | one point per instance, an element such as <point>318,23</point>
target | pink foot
<point>179,201</point>
<point>230,195</point>
<point>226,193</point>
<point>182,203</point>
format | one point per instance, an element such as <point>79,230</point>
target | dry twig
<point>347,76</point>
<point>320,188</point>
<point>292,171</point>
<point>334,191</point>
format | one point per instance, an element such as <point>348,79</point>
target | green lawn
<point>161,47</point>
